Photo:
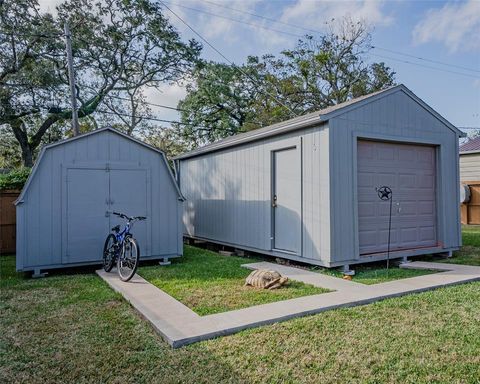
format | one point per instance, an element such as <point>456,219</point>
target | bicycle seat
<point>116,228</point>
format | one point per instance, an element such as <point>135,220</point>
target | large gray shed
<point>63,211</point>
<point>304,189</point>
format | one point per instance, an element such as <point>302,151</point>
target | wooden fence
<point>7,221</point>
<point>471,210</point>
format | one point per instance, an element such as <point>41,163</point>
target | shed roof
<point>471,146</point>
<point>312,119</point>
<point>60,142</point>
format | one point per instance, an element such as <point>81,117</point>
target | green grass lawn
<point>75,329</point>
<point>377,273</point>
<point>211,283</point>
<point>72,328</point>
<point>471,235</point>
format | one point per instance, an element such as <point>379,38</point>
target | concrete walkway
<point>179,325</point>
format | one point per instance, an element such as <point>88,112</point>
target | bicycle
<point>121,246</point>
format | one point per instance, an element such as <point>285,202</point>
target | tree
<point>131,110</point>
<point>317,73</point>
<point>218,102</point>
<point>166,139</point>
<point>119,46</point>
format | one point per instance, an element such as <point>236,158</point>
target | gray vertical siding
<point>228,193</point>
<point>228,187</point>
<point>395,117</point>
<point>41,221</point>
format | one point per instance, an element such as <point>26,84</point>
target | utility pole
<point>71,79</point>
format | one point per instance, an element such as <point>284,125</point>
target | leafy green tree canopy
<point>317,73</point>
<point>119,48</point>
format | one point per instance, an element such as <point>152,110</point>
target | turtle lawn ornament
<point>266,279</point>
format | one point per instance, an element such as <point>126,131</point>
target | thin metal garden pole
<point>389,230</point>
<point>385,193</point>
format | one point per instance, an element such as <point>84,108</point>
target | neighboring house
<point>305,189</point>
<point>470,176</point>
<point>64,210</point>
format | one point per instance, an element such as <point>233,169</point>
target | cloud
<point>167,94</point>
<point>313,14</point>
<point>456,25</point>
<point>255,34</point>
<point>48,6</point>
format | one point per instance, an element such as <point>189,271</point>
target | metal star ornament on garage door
<point>384,193</point>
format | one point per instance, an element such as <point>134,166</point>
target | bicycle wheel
<point>128,260</point>
<point>109,253</point>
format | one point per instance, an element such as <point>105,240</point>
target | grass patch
<point>471,235</point>
<point>467,255</point>
<point>211,283</point>
<point>75,329</point>
<point>377,273</point>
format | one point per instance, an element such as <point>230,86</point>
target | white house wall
<point>470,167</point>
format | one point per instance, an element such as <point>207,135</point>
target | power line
<point>425,66</point>
<point>149,103</point>
<point>150,118</point>
<point>237,21</point>
<point>421,58</point>
<point>140,117</point>
<point>315,31</point>
<point>262,17</point>
<point>225,58</point>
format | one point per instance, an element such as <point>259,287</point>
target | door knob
<point>274,201</point>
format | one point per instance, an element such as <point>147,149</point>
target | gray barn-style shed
<point>63,211</point>
<point>305,189</point>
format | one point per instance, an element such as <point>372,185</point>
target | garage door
<point>409,170</point>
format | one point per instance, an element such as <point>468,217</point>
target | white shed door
<point>87,225</point>
<point>409,170</point>
<point>287,199</point>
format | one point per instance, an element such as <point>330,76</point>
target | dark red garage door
<point>410,172</point>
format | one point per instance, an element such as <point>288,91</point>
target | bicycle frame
<point>120,236</point>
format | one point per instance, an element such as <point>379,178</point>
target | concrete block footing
<point>37,274</point>
<point>347,271</point>
<point>165,261</point>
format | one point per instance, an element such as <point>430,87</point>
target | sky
<point>433,46</point>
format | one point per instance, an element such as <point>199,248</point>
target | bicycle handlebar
<point>123,216</point>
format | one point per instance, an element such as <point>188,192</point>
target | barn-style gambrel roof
<point>82,136</point>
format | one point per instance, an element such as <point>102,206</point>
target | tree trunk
<point>27,156</point>
<point>28,146</point>
<point>20,133</point>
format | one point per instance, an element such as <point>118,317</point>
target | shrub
<point>14,179</point>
